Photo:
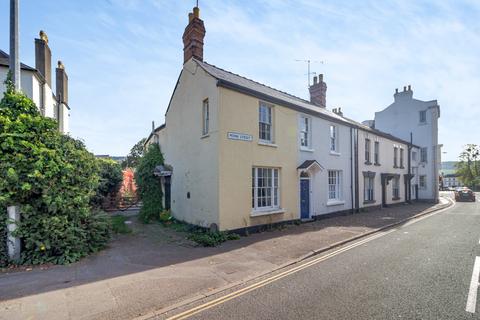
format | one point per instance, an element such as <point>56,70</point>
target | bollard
<point>13,243</point>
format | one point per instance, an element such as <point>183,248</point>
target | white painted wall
<point>320,151</point>
<point>194,160</point>
<point>386,160</point>
<point>403,117</point>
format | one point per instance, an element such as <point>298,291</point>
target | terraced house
<point>241,154</point>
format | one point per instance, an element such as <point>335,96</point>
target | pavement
<point>156,268</point>
<point>421,270</point>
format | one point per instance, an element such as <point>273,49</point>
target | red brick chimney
<point>193,37</point>
<point>318,92</point>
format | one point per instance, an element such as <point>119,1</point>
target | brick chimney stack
<point>318,92</point>
<point>43,57</point>
<point>61,83</point>
<point>193,37</point>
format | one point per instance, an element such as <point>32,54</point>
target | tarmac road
<point>421,270</point>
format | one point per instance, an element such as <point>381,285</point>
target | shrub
<point>53,177</point>
<point>212,239</point>
<point>149,185</point>
<point>119,226</point>
<point>110,180</point>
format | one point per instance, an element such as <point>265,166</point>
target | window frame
<point>337,186</point>
<point>305,132</point>
<point>424,177</point>
<point>272,191</point>
<point>368,151</point>
<point>395,157</point>
<point>205,117</point>
<point>376,153</point>
<point>422,116</point>
<point>368,189</point>
<point>396,188</point>
<point>424,154</point>
<point>401,157</point>
<point>333,138</point>
<point>266,125</point>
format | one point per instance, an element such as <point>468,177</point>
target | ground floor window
<point>396,188</point>
<point>265,189</point>
<point>334,184</point>
<point>368,182</point>
<point>422,181</point>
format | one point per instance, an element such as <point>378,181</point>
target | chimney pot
<point>404,88</point>
<point>315,79</point>
<point>409,88</point>
<point>193,37</point>
<point>396,90</point>
<point>318,92</point>
<point>320,77</point>
<point>43,36</point>
<point>61,84</point>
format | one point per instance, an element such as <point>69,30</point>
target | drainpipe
<point>409,182</point>
<point>355,148</point>
<point>351,169</point>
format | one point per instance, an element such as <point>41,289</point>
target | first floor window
<point>401,157</point>
<point>369,182</point>
<point>265,122</point>
<point>206,117</point>
<point>422,181</point>
<point>265,190</point>
<point>396,187</point>
<point>423,116</point>
<point>367,151</point>
<point>423,154</point>
<point>395,157</point>
<point>376,152</point>
<point>333,138</point>
<point>334,184</point>
<point>304,131</point>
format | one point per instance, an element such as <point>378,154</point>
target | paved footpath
<point>143,273</point>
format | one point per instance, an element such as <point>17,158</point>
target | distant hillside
<point>448,167</point>
<point>115,158</point>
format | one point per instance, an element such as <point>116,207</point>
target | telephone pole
<point>14,45</point>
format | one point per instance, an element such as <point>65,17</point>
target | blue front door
<point>304,198</point>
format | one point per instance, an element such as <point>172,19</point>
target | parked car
<point>464,194</point>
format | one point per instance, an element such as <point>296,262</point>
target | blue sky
<point>123,57</point>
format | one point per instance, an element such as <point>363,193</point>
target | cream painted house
<point>36,83</point>
<point>241,155</point>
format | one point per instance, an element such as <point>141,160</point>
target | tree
<point>149,185</point>
<point>111,177</point>
<point>52,177</point>
<point>468,167</point>
<point>133,158</point>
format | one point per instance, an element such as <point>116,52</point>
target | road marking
<point>188,313</point>
<point>472,293</point>
<point>279,276</point>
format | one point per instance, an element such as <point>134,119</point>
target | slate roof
<point>307,163</point>
<point>4,61</point>
<point>236,82</point>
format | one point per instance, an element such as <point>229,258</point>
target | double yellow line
<point>271,279</point>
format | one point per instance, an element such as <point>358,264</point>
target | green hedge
<point>53,177</point>
<point>149,185</point>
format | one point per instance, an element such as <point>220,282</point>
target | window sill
<point>205,136</point>
<point>267,144</point>
<point>395,167</point>
<point>396,198</point>
<point>306,149</point>
<point>335,153</point>
<point>369,201</point>
<point>259,213</point>
<point>368,163</point>
<point>377,164</point>
<point>402,167</point>
<point>335,203</point>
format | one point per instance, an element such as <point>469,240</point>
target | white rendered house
<point>36,83</point>
<point>409,118</point>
